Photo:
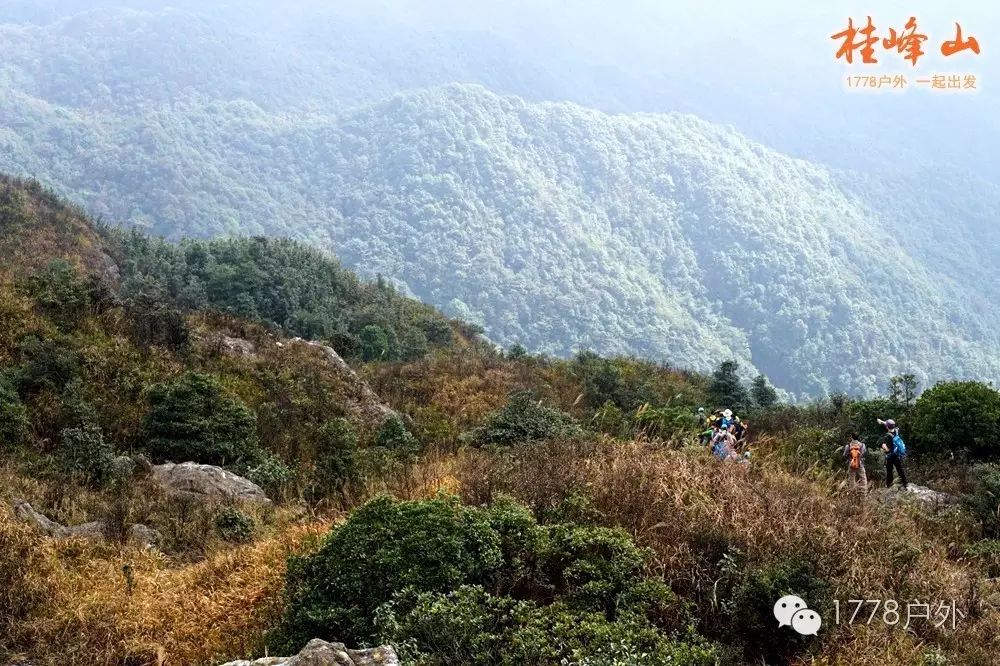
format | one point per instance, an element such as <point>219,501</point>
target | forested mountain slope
<point>564,228</point>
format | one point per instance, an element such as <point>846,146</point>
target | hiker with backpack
<point>854,453</point>
<point>895,452</point>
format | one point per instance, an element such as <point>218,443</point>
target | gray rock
<point>237,346</point>
<point>207,482</point>
<point>922,496</point>
<point>141,534</point>
<point>362,402</point>
<point>321,653</point>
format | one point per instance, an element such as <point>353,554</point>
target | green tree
<point>903,389</point>
<point>726,389</point>
<point>517,351</point>
<point>413,345</point>
<point>156,322</point>
<point>393,436</point>
<point>374,343</point>
<point>61,294</point>
<point>958,416</point>
<point>763,393</point>
<point>194,419</point>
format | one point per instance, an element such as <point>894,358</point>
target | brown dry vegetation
<point>692,511</point>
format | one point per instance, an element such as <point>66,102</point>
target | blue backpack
<point>898,445</point>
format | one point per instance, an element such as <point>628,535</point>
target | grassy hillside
<point>547,511</point>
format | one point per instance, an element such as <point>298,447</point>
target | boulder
<point>141,534</point>
<point>362,402</point>
<point>207,482</point>
<point>236,346</point>
<point>921,496</point>
<point>321,653</point>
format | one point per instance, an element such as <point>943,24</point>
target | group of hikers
<point>725,435</point>
<point>892,445</point>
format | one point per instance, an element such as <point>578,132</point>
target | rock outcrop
<point>207,482</point>
<point>141,534</point>
<point>321,653</point>
<point>922,496</point>
<point>362,402</point>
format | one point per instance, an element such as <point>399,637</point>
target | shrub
<point>82,452</point>
<point>522,419</point>
<point>46,365</point>
<point>336,457</point>
<point>987,551</point>
<point>394,436</point>
<point>385,547</point>
<point>958,416</point>
<point>13,418</point>
<point>270,473</point>
<point>234,525</point>
<point>61,294</point>
<point>750,605</point>
<point>472,626</point>
<point>984,500</point>
<point>449,583</point>
<point>193,419</point>
<point>156,322</point>
<point>374,343</point>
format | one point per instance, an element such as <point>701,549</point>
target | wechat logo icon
<point>791,611</point>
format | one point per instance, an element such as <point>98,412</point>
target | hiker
<point>725,420</point>
<point>723,444</point>
<point>739,430</point>
<point>854,453</point>
<point>895,452</point>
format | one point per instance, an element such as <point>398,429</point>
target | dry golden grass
<point>681,504</point>
<point>133,606</point>
<point>690,511</point>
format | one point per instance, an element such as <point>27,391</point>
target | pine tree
<point>727,390</point>
<point>763,393</point>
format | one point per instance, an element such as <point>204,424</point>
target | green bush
<point>82,452</point>
<point>954,417</point>
<point>194,419</point>
<point>14,422</point>
<point>447,583</point>
<point>749,608</point>
<point>61,294</point>
<point>269,472</point>
<point>471,626</point>
<point>336,457</point>
<point>984,500</point>
<point>235,526</point>
<point>48,364</point>
<point>522,419</point>
<point>393,436</point>
<point>987,551</point>
<point>383,548</point>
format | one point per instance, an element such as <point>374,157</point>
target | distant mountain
<point>550,224</point>
<point>567,229</point>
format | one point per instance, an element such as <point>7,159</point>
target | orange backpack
<point>855,453</point>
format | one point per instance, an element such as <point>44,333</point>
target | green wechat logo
<point>791,611</point>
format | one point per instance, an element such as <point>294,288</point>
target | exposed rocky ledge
<point>141,534</point>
